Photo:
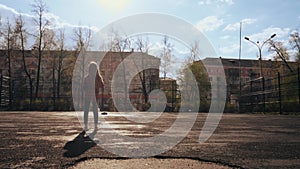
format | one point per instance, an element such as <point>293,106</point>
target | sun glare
<point>114,6</point>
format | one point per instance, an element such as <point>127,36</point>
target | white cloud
<point>8,12</point>
<point>232,27</point>
<point>236,26</point>
<point>292,54</point>
<point>266,33</point>
<point>225,37</point>
<point>209,23</point>
<point>208,2</point>
<point>177,3</point>
<point>204,2</point>
<point>282,35</point>
<point>234,48</point>
<point>56,22</point>
<point>229,2</point>
<point>248,21</point>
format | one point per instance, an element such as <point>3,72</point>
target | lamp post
<point>260,49</point>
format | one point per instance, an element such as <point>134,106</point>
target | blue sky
<point>217,19</point>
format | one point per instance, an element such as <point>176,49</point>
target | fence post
<point>251,96</point>
<point>299,85</point>
<point>172,95</point>
<point>1,82</point>
<point>264,96</point>
<point>279,93</point>
<point>11,90</point>
<point>102,99</point>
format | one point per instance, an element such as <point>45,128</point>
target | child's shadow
<point>79,144</point>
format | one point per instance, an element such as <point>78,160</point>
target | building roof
<point>229,62</point>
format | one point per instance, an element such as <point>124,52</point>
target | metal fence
<point>278,94</point>
<point>5,99</point>
<point>15,95</point>
<point>48,100</point>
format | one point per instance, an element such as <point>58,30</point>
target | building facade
<point>71,67</point>
<point>239,72</point>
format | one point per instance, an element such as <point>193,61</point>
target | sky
<point>218,20</point>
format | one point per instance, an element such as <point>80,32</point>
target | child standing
<point>91,88</point>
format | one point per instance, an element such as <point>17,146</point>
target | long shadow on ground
<point>79,145</point>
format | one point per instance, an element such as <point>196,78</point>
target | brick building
<point>238,72</point>
<point>138,71</point>
<point>108,63</point>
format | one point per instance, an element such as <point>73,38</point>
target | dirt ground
<point>56,140</point>
<point>149,163</point>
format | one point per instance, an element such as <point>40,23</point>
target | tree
<point>281,52</point>
<point>82,39</point>
<point>203,82</point>
<point>194,51</point>
<point>200,74</point>
<point>8,46</point>
<point>120,45</point>
<point>50,44</point>
<point>39,9</point>
<point>143,47</point>
<point>21,33</point>
<point>48,40</point>
<point>0,25</point>
<point>166,56</point>
<point>295,42</point>
<point>61,48</point>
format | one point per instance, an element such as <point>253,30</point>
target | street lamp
<point>260,49</point>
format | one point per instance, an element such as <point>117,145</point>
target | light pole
<point>260,49</point>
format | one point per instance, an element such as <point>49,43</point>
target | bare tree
<point>49,41</point>
<point>82,37</point>
<point>121,45</point>
<point>1,33</point>
<point>39,9</point>
<point>192,56</point>
<point>295,42</point>
<point>194,51</point>
<point>8,46</point>
<point>50,44</point>
<point>166,56</point>
<point>142,46</point>
<point>281,52</point>
<point>61,47</point>
<point>21,33</point>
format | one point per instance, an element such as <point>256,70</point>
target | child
<point>91,88</point>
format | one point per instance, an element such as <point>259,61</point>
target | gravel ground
<point>56,140</point>
<point>149,163</point>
